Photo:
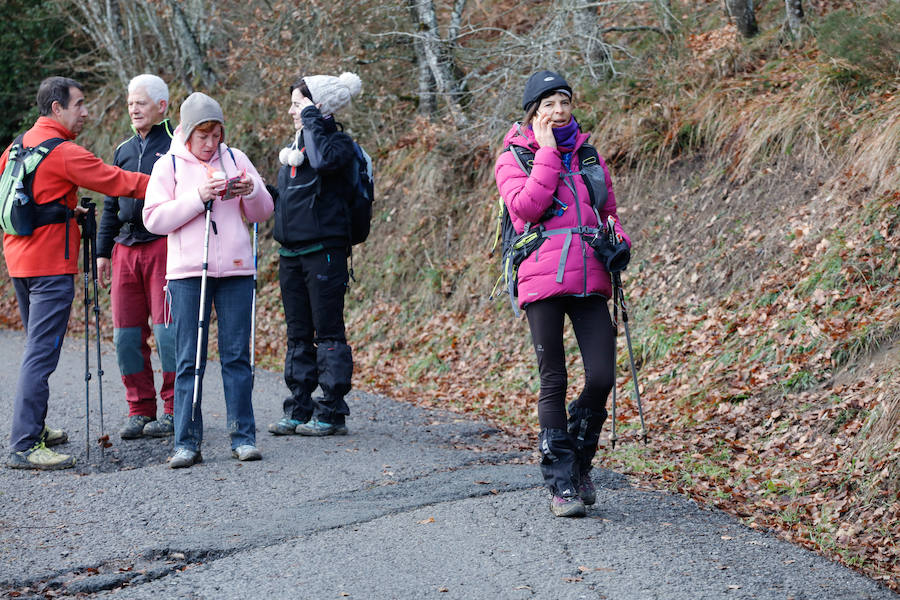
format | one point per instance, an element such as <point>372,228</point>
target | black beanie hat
<point>542,82</point>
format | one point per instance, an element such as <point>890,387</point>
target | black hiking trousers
<point>596,340</point>
<point>312,291</point>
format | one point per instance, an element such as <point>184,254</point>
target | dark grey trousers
<point>44,304</point>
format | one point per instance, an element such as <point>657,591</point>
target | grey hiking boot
<point>134,427</point>
<point>40,457</point>
<point>567,506</point>
<point>162,427</point>
<point>246,452</point>
<point>54,437</point>
<point>285,426</point>
<point>184,458</point>
<point>315,427</point>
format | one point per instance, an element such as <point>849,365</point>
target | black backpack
<point>363,196</point>
<point>516,247</point>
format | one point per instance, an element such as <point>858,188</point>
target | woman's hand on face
<point>543,130</point>
<point>304,102</point>
<point>211,188</point>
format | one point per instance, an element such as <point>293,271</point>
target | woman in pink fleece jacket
<point>565,275</point>
<point>192,175</point>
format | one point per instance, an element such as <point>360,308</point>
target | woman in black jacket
<point>312,224</point>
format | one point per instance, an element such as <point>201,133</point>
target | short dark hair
<point>55,89</point>
<point>299,84</point>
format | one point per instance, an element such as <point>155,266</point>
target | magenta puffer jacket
<point>528,197</point>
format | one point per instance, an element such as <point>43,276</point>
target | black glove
<point>615,257</point>
<point>273,191</point>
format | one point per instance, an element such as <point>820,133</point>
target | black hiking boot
<point>584,428</point>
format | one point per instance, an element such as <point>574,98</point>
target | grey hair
<point>156,88</point>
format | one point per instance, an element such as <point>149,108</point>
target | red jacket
<point>60,174</point>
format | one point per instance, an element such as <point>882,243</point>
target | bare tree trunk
<point>187,40</point>
<point>586,28</point>
<point>665,8</point>
<point>435,55</point>
<point>148,36</point>
<point>795,17</point>
<point>427,88</point>
<point>744,16</point>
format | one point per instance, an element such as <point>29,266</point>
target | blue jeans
<point>232,297</point>
<point>44,304</point>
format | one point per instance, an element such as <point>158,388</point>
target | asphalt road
<point>411,504</point>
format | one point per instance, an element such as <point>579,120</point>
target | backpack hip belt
<point>581,230</point>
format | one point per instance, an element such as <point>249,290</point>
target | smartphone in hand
<point>228,193</point>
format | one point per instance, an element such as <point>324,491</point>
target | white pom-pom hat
<point>333,93</point>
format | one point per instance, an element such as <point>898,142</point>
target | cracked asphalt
<point>412,504</point>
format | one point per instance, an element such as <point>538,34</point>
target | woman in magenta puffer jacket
<point>564,276</point>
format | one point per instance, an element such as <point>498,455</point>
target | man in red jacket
<point>42,265</point>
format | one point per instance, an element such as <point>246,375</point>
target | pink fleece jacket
<point>527,197</point>
<point>173,207</point>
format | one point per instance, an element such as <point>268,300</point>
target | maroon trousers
<point>139,299</point>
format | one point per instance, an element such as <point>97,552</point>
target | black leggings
<point>596,340</point>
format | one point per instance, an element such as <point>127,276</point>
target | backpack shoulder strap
<point>41,151</point>
<point>524,157</point>
<point>49,145</point>
<point>587,155</point>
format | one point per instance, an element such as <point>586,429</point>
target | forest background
<point>754,151</point>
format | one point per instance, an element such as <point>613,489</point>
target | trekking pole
<point>200,322</point>
<point>86,254</point>
<point>618,291</point>
<point>619,302</point>
<point>90,230</point>
<point>253,307</point>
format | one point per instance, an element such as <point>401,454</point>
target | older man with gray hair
<point>136,261</point>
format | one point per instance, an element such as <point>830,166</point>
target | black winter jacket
<point>121,221</point>
<point>313,202</point>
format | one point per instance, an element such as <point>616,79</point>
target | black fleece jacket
<point>313,204</point>
<point>121,221</point>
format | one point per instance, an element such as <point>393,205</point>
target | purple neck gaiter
<point>566,135</point>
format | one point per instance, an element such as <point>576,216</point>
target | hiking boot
<point>284,427</point>
<point>184,458</point>
<point>54,437</point>
<point>319,428</point>
<point>566,506</point>
<point>40,457</point>
<point>134,427</point>
<point>246,452</point>
<point>162,427</point>
<point>587,491</point>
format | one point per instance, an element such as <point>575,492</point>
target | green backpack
<point>19,213</point>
